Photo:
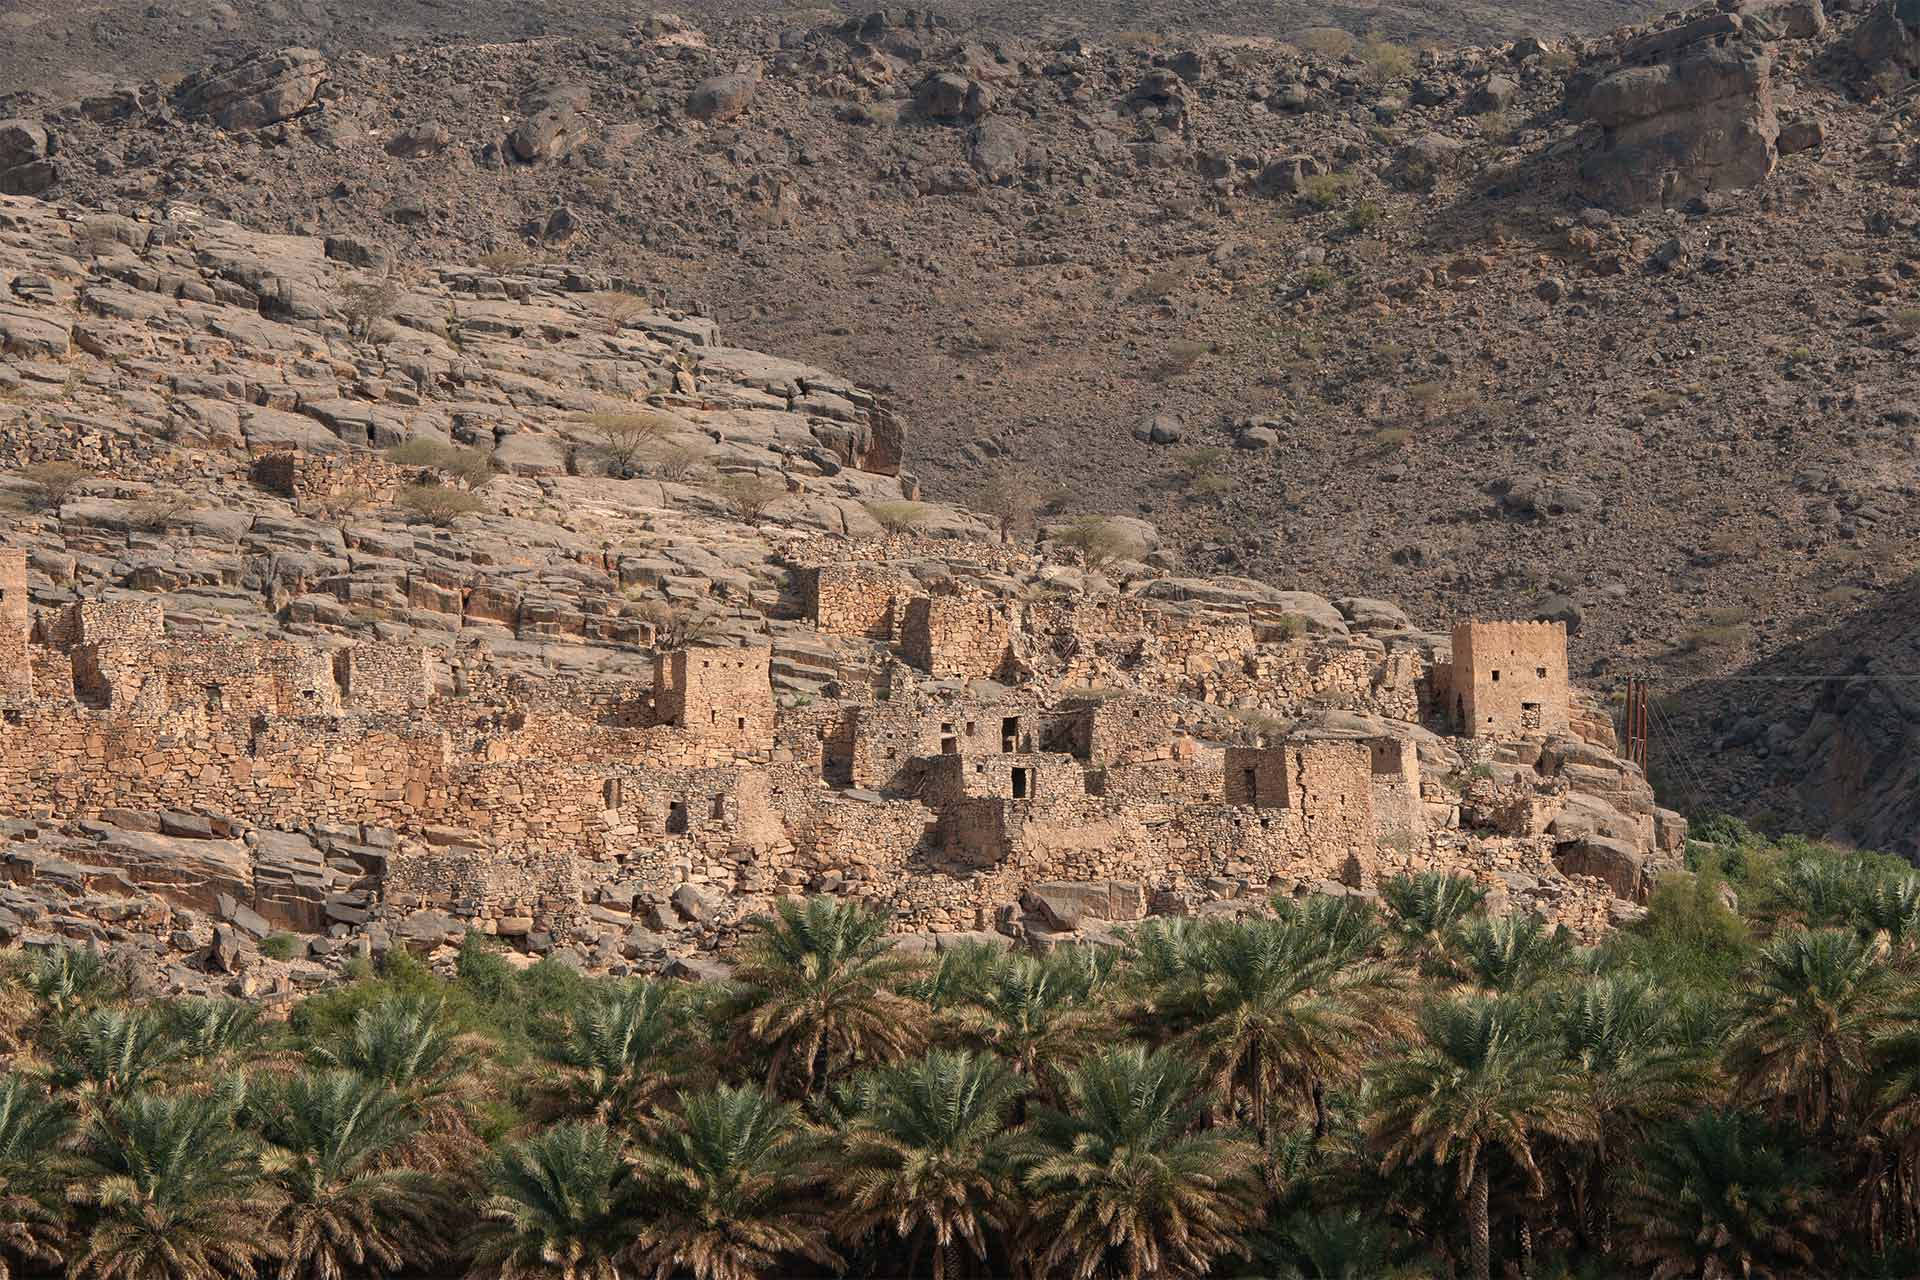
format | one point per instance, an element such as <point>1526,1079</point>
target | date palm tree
<point>33,1218</point>
<point>1287,1007</point>
<point>175,1193</point>
<point>619,1054</point>
<point>1425,909</point>
<point>1124,1181</point>
<point>66,979</point>
<point>559,1207</point>
<point>1640,1068</point>
<point>730,1190</point>
<point>818,991</point>
<point>335,1148</point>
<point>406,1044</point>
<point>1482,1078</point>
<point>1512,953</point>
<point>108,1053</point>
<point>1722,1194</point>
<point>931,1159</point>
<point>1034,1011</point>
<point>218,1035</point>
<point>1814,1007</point>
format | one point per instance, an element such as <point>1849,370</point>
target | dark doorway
<point>1010,734</point>
<point>1250,780</point>
<point>677,818</point>
<point>1023,784</point>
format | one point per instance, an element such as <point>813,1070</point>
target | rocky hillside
<point>1613,328</point>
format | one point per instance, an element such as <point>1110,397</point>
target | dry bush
<point>677,626</point>
<point>1905,321</point>
<point>55,480</point>
<point>345,502</point>
<point>1365,216</point>
<point>1166,280</point>
<point>617,308</point>
<point>507,258</point>
<point>1328,42</point>
<point>748,497</point>
<point>676,459</point>
<point>156,513</point>
<point>898,517</point>
<point>1393,437</point>
<point>1099,541</point>
<point>1011,499</point>
<point>1203,460</point>
<point>472,467</point>
<point>1385,60</point>
<point>1216,485</point>
<point>364,304</point>
<point>1179,357</point>
<point>625,437</point>
<point>438,504</point>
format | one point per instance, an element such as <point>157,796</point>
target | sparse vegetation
<point>472,467</point>
<point>748,497</point>
<point>56,481</point>
<point>281,946</point>
<point>506,258</point>
<point>1099,541</point>
<point>675,626</point>
<point>1364,216</point>
<point>155,514</point>
<point>363,304</point>
<point>623,438</point>
<point>898,517</point>
<point>1178,357</point>
<point>439,504</point>
<point>1322,191</point>
<point>1011,498</point>
<point>676,459</point>
<point>1328,42</point>
<point>1385,60</point>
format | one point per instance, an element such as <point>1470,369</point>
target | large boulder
<point>1066,905</point>
<point>1614,861</point>
<point>1701,121</point>
<point>258,91</point>
<point>26,164</point>
<point>949,96</point>
<point>1887,44</point>
<point>721,98</point>
<point>553,124</point>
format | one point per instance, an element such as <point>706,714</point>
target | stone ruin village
<point>275,715</point>
<point>980,765</point>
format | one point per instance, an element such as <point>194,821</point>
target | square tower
<point>16,621</point>
<point>719,696</point>
<point>1510,678</point>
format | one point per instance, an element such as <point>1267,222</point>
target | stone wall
<point>946,636</point>
<point>719,696</point>
<point>320,481</point>
<point>16,626</point>
<point>854,599</point>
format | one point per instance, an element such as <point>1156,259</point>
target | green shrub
<point>55,480</point>
<point>1322,191</point>
<point>472,467</point>
<point>439,504</point>
<point>281,946</point>
<point>1385,60</point>
<point>898,517</point>
<point>1364,216</point>
<point>1690,937</point>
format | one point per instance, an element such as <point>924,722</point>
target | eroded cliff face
<point>1823,736</point>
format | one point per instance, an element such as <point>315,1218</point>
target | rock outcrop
<point>262,90</point>
<point>1693,112</point>
<point>26,164</point>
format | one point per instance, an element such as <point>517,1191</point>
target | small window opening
<point>1540,672</point>
<point>612,793</point>
<point>743,722</point>
<point>1496,677</point>
<point>949,746</point>
<point>216,697</point>
<point>715,713</point>
<point>14,717</point>
<point>1010,734</point>
<point>719,807</point>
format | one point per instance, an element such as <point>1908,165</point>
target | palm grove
<point>1336,1087</point>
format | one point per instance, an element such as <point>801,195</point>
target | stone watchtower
<point>722,697</point>
<point>1510,677</point>
<point>16,621</point>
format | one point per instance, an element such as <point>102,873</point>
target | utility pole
<point>1636,722</point>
